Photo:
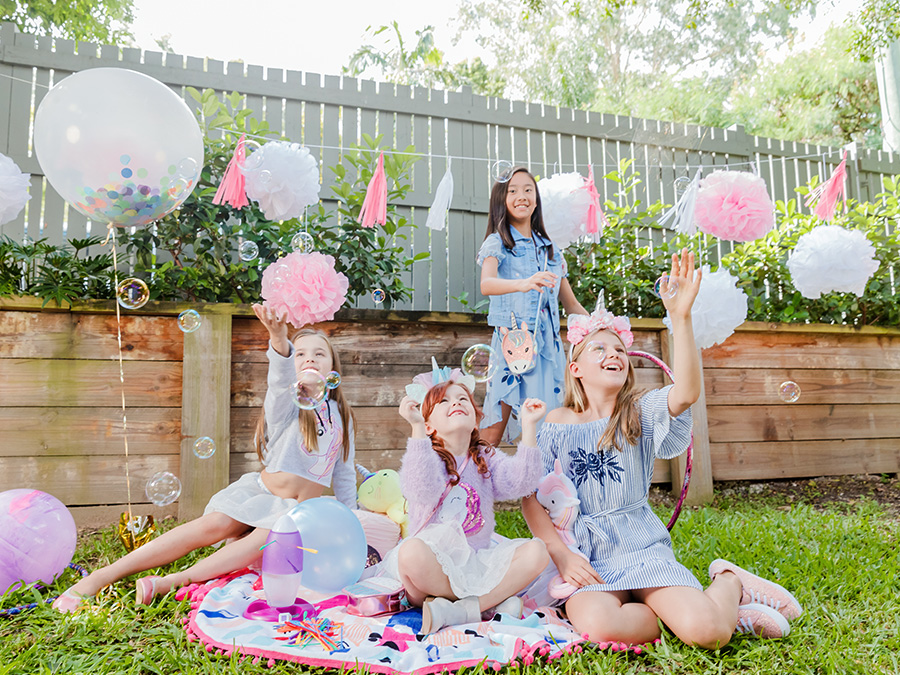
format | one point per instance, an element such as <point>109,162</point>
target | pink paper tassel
<point>594,210</point>
<point>232,188</point>
<point>374,207</point>
<point>829,193</point>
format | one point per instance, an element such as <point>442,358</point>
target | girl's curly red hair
<point>478,449</point>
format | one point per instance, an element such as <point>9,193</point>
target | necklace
<point>320,423</point>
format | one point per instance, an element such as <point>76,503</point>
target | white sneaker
<point>762,621</point>
<point>513,606</point>
<point>440,612</point>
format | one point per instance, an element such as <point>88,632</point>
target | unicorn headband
<point>423,382</point>
<point>582,325</point>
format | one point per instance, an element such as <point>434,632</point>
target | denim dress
<point>545,380</point>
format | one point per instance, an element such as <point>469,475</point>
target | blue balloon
<point>332,529</point>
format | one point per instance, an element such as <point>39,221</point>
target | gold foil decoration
<point>136,531</point>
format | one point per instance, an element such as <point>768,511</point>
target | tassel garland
<point>232,190</point>
<point>437,214</point>
<point>828,194</point>
<point>374,207</point>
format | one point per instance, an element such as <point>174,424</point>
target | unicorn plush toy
<point>556,493</point>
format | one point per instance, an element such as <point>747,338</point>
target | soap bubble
<point>187,168</point>
<point>682,183</point>
<point>248,250</point>
<point>189,320</point>
<point>480,361</point>
<point>265,177</point>
<point>333,380</point>
<point>132,293</point>
<point>671,290</point>
<point>163,488</point>
<point>303,242</point>
<point>789,392</point>
<point>596,350</point>
<point>501,171</point>
<point>204,447</point>
<point>378,296</point>
<point>309,390</point>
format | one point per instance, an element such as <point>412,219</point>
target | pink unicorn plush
<point>517,347</point>
<point>556,493</point>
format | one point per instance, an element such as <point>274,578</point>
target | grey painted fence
<point>330,113</point>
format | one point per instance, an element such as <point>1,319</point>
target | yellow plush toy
<point>380,493</point>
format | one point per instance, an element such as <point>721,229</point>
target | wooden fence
<point>330,113</point>
<point>61,417</point>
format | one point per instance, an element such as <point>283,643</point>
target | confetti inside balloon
<point>163,488</point>
<point>480,361</point>
<point>132,293</point>
<point>501,171</point>
<point>789,392</point>
<point>333,380</point>
<point>378,296</point>
<point>303,242</point>
<point>248,250</point>
<point>204,447</point>
<point>671,289</point>
<point>189,320</point>
<point>309,390</point>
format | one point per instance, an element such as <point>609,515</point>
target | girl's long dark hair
<point>307,419</point>
<point>478,449</point>
<point>498,220</point>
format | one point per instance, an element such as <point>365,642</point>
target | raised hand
<point>688,280</point>
<point>530,414</point>
<point>277,327</point>
<point>412,413</point>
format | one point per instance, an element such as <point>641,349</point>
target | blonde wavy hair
<point>307,419</point>
<point>625,421</point>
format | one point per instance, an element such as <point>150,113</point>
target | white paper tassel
<point>13,190</point>
<point>437,214</point>
<point>565,207</point>
<point>682,214</point>
<point>719,308</point>
<point>283,178</point>
<point>831,258</point>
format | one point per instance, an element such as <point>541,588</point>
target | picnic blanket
<point>386,644</point>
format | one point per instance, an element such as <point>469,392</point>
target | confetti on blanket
<point>386,644</point>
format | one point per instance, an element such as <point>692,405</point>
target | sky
<point>316,37</point>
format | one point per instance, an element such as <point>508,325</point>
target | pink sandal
<point>145,590</point>
<point>69,601</point>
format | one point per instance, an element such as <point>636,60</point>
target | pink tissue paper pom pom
<point>304,287</point>
<point>734,205</point>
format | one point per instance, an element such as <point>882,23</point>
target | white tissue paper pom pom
<point>13,190</point>
<point>719,308</point>
<point>283,178</point>
<point>831,258</point>
<point>565,205</point>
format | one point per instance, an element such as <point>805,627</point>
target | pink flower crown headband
<point>582,325</point>
<point>424,382</point>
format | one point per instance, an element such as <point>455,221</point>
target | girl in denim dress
<point>525,278</point>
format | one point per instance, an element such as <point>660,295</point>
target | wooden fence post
<point>205,411</point>
<point>701,488</point>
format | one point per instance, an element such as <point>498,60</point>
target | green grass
<point>841,562</point>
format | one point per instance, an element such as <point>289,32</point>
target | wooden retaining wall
<point>61,417</point>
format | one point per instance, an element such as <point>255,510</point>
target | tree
<point>607,55</point>
<point>421,65</point>
<point>103,21</point>
<point>821,95</point>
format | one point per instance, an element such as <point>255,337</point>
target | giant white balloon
<point>119,146</point>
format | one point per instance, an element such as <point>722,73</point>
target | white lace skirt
<point>249,501</point>
<point>470,572</point>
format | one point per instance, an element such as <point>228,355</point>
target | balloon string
<point>121,368</point>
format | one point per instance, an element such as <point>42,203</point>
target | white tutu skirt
<point>249,501</point>
<point>470,572</point>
